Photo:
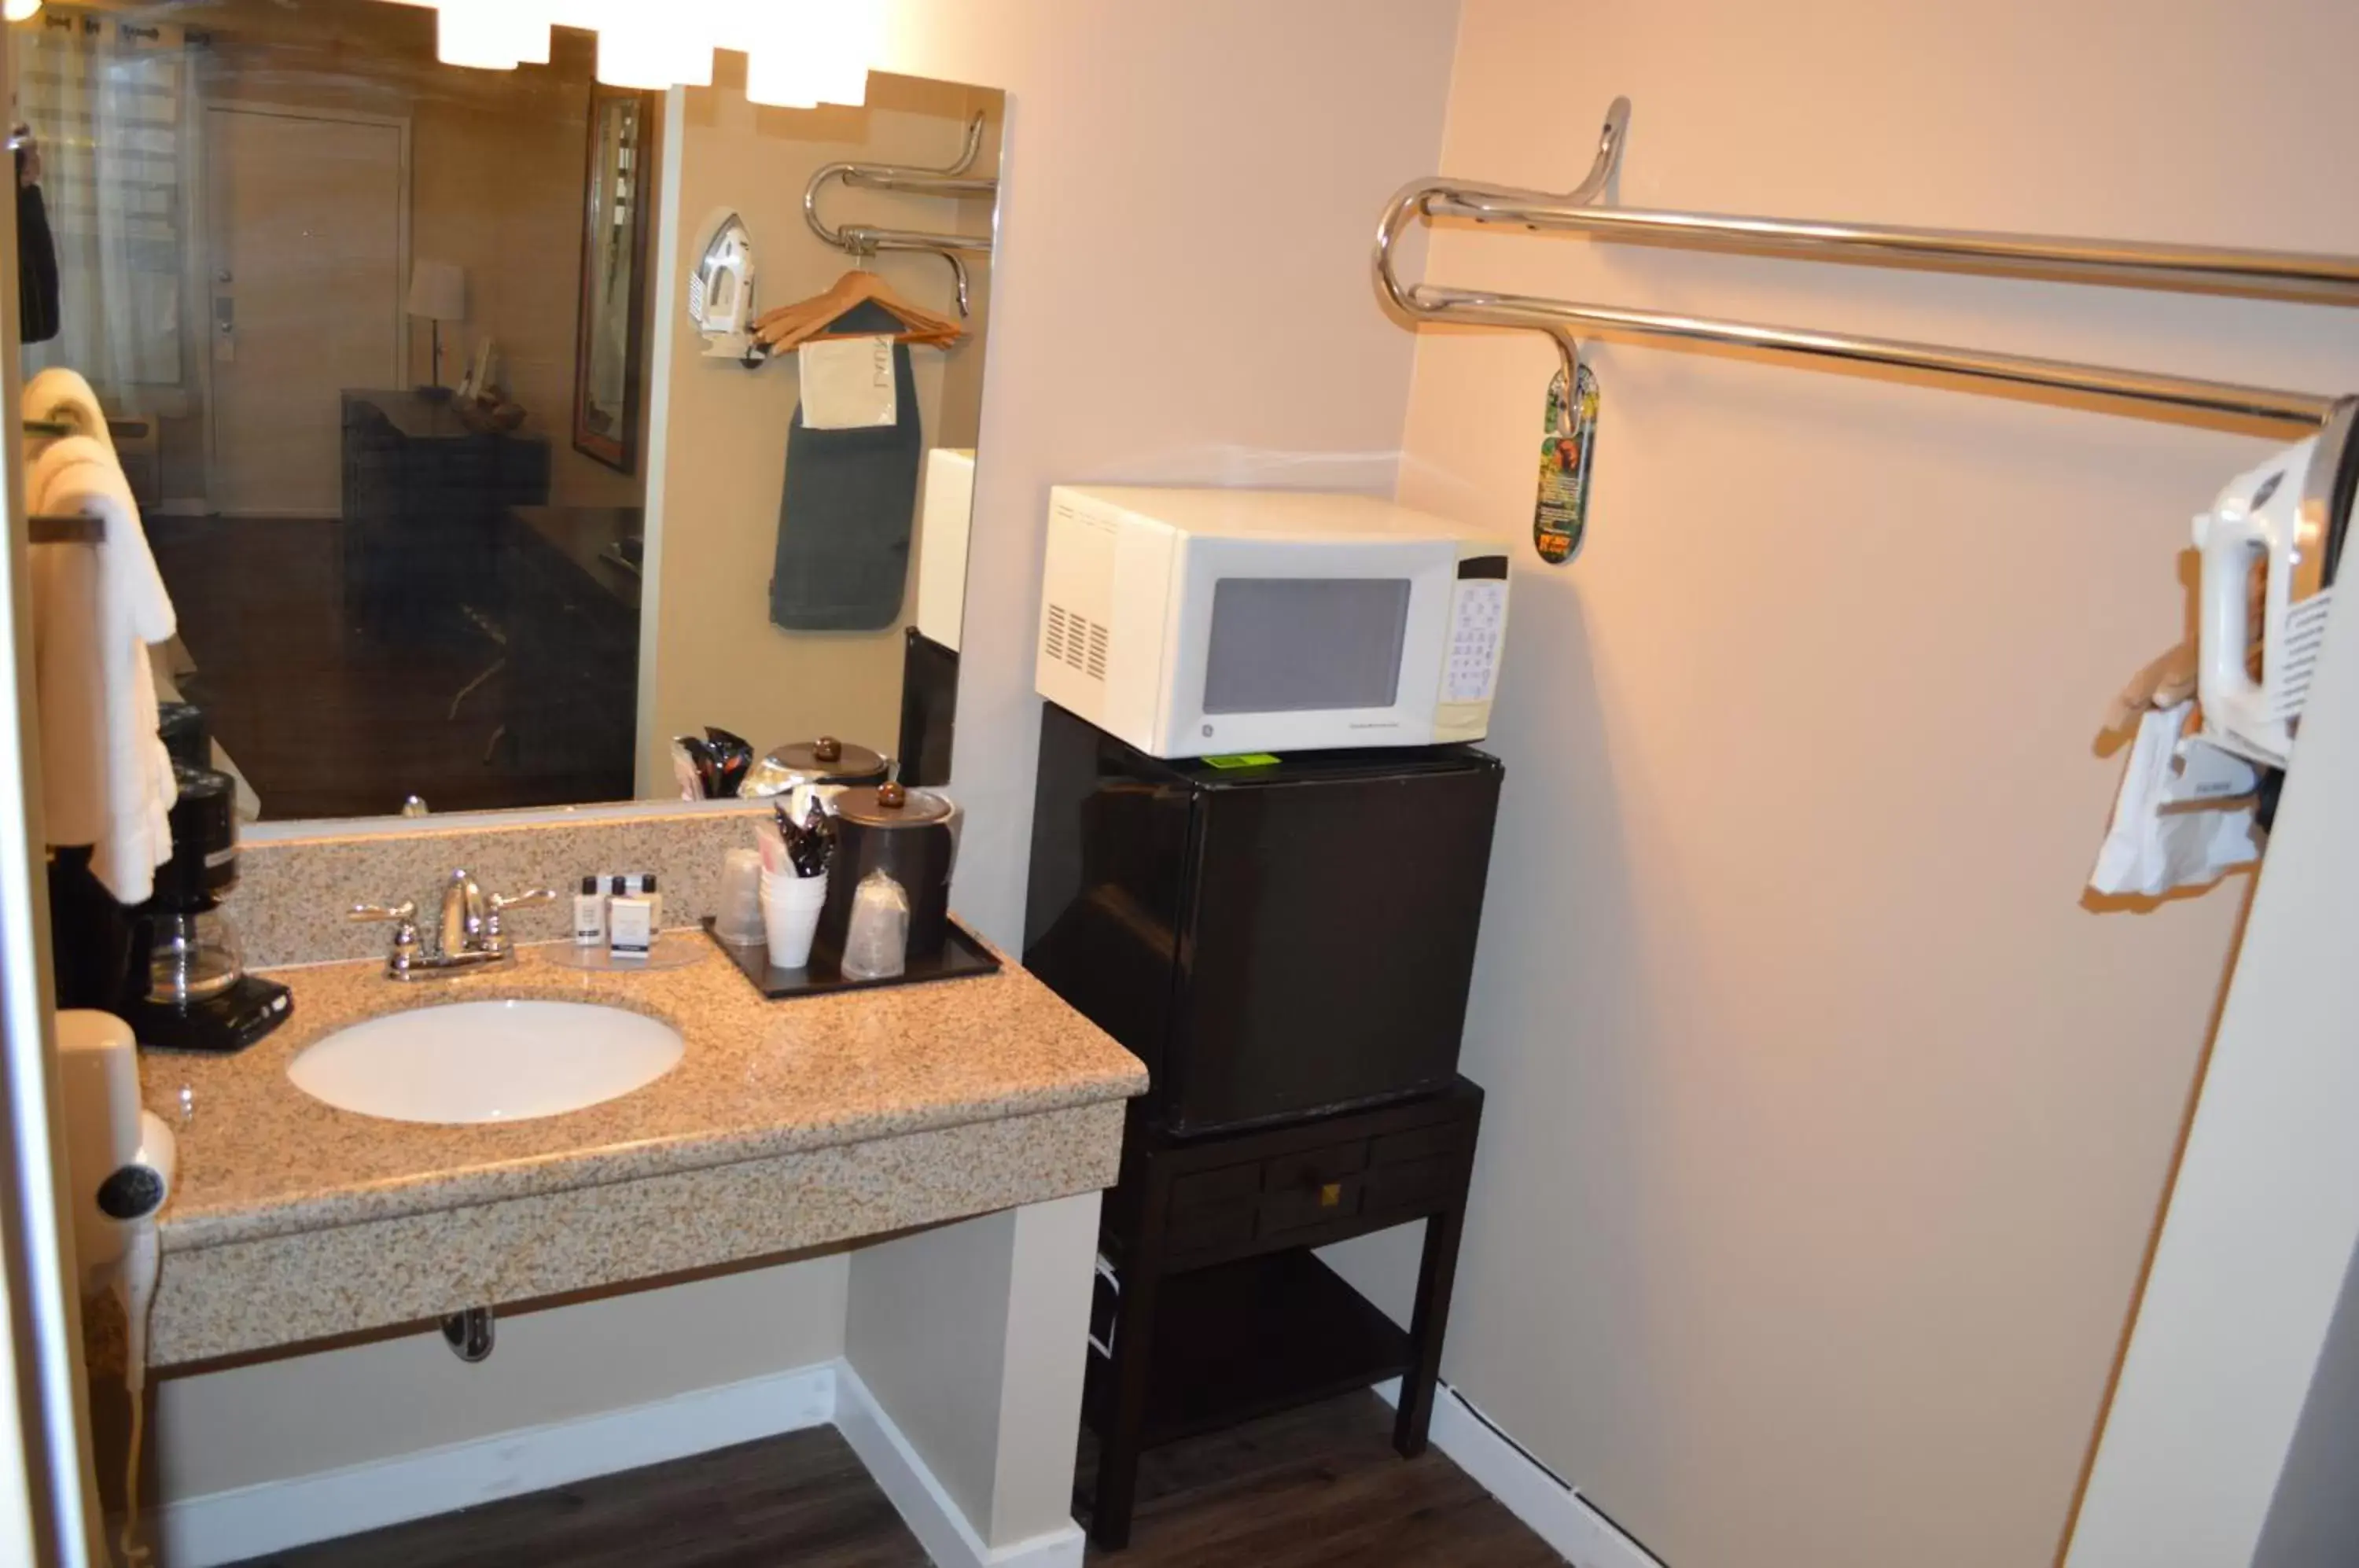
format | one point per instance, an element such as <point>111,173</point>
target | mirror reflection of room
<point>459,503</point>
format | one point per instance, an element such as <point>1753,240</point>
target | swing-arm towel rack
<point>2314,278</point>
<point>953,180</point>
<point>61,528</point>
<point>67,528</point>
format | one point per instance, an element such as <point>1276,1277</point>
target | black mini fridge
<point>1274,940</point>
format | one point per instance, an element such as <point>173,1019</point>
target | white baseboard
<point>1554,1511</point>
<point>228,1526</point>
<point>938,1522</point>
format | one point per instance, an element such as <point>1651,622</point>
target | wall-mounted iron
<point>721,289</point>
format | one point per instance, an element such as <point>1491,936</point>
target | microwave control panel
<point>1478,623</point>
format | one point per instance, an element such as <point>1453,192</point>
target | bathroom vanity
<point>873,1120</point>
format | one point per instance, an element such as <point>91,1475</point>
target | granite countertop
<point>260,1158</point>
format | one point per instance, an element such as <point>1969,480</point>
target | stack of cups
<point>790,906</point>
<point>739,919</point>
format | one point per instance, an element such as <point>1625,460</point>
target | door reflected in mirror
<point>495,429</point>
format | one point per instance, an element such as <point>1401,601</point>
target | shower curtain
<point>112,101</point>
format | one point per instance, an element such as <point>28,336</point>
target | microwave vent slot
<point>1075,642</point>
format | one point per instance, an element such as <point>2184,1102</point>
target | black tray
<point>962,955</point>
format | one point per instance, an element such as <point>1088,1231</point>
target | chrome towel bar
<point>2310,278</point>
<point>951,180</point>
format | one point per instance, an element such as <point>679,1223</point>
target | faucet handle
<point>494,939</point>
<point>403,917</point>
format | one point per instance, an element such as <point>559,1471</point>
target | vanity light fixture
<point>496,37</point>
<point>21,10</point>
<point>800,53</point>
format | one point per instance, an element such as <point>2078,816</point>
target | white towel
<point>106,777</point>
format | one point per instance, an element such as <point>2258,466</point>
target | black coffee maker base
<point>220,1025</point>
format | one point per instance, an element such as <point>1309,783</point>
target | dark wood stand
<point>1216,1311</point>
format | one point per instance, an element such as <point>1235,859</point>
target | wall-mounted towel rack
<point>73,527</point>
<point>865,240</point>
<point>46,528</point>
<point>2314,278</point>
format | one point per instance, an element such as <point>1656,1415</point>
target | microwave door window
<point>1280,645</point>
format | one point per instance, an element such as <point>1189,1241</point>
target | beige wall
<point>973,1336</point>
<point>709,652</point>
<point>1135,337</point>
<point>1180,295</point>
<point>1827,1127</point>
<point>274,1420</point>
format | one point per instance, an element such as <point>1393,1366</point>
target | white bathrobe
<point>106,777</point>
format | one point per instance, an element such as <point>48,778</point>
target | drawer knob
<point>1331,1194</point>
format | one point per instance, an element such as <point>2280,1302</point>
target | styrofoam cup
<point>790,906</point>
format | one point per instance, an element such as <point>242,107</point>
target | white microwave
<point>1194,623</point>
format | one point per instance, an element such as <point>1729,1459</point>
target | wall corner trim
<point>939,1525</point>
<point>1555,1512</point>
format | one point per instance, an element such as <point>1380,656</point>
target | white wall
<point>2313,1509</point>
<point>1827,1127</point>
<point>2235,1426</point>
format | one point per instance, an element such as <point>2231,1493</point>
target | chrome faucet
<point>468,935</point>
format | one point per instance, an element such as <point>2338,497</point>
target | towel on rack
<point>62,395</point>
<point>106,779</point>
<point>847,508</point>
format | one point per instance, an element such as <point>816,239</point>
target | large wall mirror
<point>494,430</point>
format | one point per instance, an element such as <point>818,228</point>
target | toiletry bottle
<point>630,931</point>
<point>655,901</point>
<point>589,915</point>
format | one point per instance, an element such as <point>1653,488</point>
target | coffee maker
<point>188,988</point>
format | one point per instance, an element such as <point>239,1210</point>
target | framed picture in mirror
<point>611,341</point>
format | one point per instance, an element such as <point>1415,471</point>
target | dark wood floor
<point>1314,1486</point>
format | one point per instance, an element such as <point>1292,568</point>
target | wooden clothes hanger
<point>789,326</point>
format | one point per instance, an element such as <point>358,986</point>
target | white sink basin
<point>486,1061</point>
